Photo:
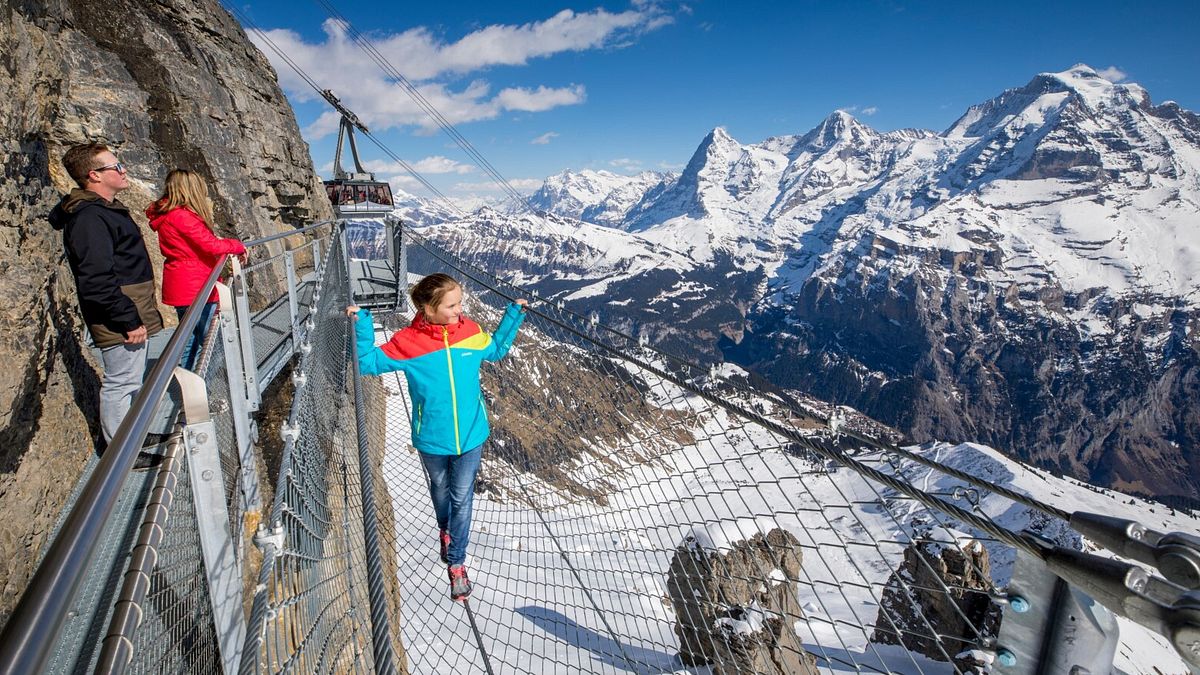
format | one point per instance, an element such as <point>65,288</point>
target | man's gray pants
<point>124,369</point>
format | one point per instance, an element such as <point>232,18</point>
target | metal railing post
<point>1051,627</point>
<point>289,262</point>
<point>242,309</point>
<point>222,565</point>
<point>399,259</point>
<point>240,407</point>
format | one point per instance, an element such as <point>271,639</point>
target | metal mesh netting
<point>637,514</point>
<point>216,376</point>
<point>177,633</point>
<point>634,513</point>
<point>265,292</point>
<point>311,613</point>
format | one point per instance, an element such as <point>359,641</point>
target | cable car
<point>354,193</point>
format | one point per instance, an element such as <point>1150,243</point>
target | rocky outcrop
<point>735,603</point>
<point>937,602</point>
<point>171,83</point>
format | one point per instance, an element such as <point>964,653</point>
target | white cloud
<point>540,99</point>
<point>852,109</point>
<point>338,63</point>
<point>438,164</point>
<point>670,166</point>
<point>1113,74</point>
<point>404,183</point>
<point>544,139</point>
<point>626,164</point>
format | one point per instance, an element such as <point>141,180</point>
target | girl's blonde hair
<point>186,189</point>
<point>428,292</point>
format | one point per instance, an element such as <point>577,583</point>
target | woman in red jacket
<point>182,218</point>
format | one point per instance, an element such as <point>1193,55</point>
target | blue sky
<point>539,87</point>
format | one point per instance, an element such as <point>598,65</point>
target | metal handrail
<point>284,235</point>
<point>31,631</point>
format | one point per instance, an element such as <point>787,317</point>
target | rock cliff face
<point>169,83</point>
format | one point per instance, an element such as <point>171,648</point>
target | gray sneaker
<point>460,585</point>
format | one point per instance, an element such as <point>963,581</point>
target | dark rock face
<point>941,624</point>
<point>988,364</point>
<point>735,609</point>
<point>165,84</point>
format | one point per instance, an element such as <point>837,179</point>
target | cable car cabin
<point>359,197</point>
<point>354,193</point>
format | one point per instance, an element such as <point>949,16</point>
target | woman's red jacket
<point>190,251</point>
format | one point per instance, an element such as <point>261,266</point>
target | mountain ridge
<point>1028,278</point>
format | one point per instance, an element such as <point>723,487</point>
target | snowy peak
<point>1044,98</point>
<point>717,150</point>
<point>598,197</point>
<point>839,128</point>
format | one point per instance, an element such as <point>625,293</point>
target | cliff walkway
<point>636,512</point>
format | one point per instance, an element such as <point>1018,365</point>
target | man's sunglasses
<point>119,167</point>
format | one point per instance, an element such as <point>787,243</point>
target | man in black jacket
<point>112,274</point>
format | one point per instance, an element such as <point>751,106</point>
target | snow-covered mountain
<point>599,197</point>
<point>1028,278</point>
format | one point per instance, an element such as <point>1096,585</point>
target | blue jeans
<point>191,352</point>
<point>452,489</point>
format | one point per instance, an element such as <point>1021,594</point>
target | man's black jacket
<point>111,267</point>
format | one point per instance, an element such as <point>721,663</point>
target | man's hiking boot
<point>147,460</point>
<point>444,539</point>
<point>460,585</point>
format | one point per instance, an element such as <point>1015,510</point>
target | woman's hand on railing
<point>351,310</point>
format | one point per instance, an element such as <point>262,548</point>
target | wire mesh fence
<point>311,613</point>
<point>177,634</point>
<point>266,293</point>
<point>635,513</point>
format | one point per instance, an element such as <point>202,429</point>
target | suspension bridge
<point>635,513</point>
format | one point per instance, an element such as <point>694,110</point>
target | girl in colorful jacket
<point>440,354</point>
<point>182,218</point>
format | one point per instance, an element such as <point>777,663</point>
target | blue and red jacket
<point>442,365</point>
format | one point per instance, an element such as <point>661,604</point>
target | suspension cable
<point>876,443</point>
<point>839,456</point>
<point>279,51</point>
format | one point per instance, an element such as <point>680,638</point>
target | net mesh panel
<point>634,513</point>
<point>266,290</point>
<point>312,614</point>
<point>622,522</point>
<point>216,377</point>
<point>177,633</point>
